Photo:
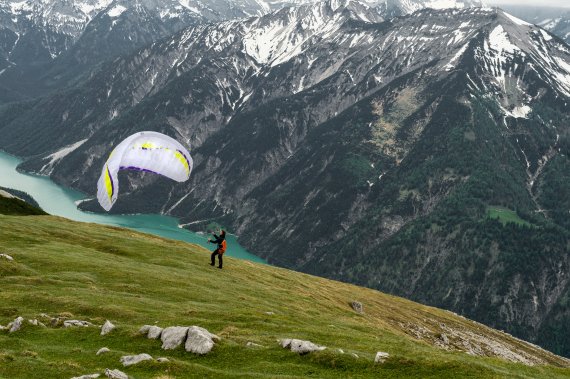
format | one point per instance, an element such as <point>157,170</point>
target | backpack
<point>222,247</point>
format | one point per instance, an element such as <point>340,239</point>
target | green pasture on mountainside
<point>505,215</point>
<point>93,272</point>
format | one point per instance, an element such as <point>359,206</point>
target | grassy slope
<point>96,272</point>
<point>505,215</point>
<point>14,206</point>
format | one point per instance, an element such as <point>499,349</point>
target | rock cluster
<point>7,257</point>
<point>196,340</point>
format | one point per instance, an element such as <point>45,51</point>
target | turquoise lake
<point>60,201</point>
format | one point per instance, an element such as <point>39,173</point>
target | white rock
<point>70,323</point>
<point>355,355</point>
<point>33,322</point>
<point>107,327</point>
<point>129,360</point>
<point>270,313</point>
<point>15,325</point>
<point>103,350</point>
<point>199,340</point>
<point>90,376</point>
<point>340,351</point>
<point>144,329</point>
<point>173,336</point>
<point>300,346</point>
<point>162,360</point>
<point>115,374</point>
<point>2,327</point>
<point>154,332</point>
<point>253,344</point>
<point>6,256</point>
<point>381,357</point>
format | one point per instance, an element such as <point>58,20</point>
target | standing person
<point>221,249</point>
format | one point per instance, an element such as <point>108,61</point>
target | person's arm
<point>217,239</point>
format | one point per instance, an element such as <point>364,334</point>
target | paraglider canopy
<point>143,151</point>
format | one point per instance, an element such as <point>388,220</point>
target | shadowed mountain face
<point>339,143</point>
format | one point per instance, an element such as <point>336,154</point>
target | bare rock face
<point>199,340</point>
<point>115,374</point>
<point>173,336</point>
<point>15,325</point>
<point>107,327</point>
<point>381,357</point>
<point>357,306</point>
<point>129,360</point>
<point>300,346</point>
<point>103,350</point>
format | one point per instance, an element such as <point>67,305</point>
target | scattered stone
<point>70,323</point>
<point>15,325</point>
<point>253,344</point>
<point>129,360</point>
<point>90,376</point>
<point>154,332</point>
<point>300,346</point>
<point>381,357</point>
<point>444,339</point>
<point>7,257</point>
<point>44,315</point>
<point>33,322</point>
<point>173,336</point>
<point>270,313</point>
<point>107,327</point>
<point>355,355</point>
<point>357,306</point>
<point>115,374</point>
<point>340,351</point>
<point>103,350</point>
<point>199,340</point>
<point>144,329</point>
<point>2,327</point>
<point>162,360</point>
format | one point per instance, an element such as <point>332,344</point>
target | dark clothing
<point>218,240</point>
<point>219,251</point>
<point>219,258</point>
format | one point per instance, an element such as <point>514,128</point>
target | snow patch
<point>517,21</point>
<point>116,11</point>
<point>58,155</point>
<point>499,41</point>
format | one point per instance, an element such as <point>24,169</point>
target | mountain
<point>555,20</point>
<point>424,155</point>
<point>46,45</point>
<point>60,271</point>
